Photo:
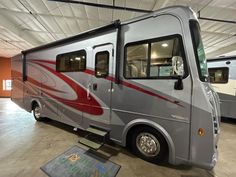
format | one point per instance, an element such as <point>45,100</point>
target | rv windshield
<point>199,51</point>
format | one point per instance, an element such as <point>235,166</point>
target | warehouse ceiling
<point>29,23</point>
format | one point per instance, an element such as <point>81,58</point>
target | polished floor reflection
<point>25,145</point>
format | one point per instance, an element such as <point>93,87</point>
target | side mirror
<point>179,83</point>
<point>177,66</point>
<point>178,72</point>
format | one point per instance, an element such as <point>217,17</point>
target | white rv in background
<point>142,83</point>
<point>222,73</point>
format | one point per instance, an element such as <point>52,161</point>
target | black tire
<point>157,141</point>
<point>36,112</point>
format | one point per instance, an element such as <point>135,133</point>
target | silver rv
<point>143,82</point>
<point>222,73</point>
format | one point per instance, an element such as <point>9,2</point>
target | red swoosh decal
<point>35,82</point>
<point>147,92</point>
<point>45,61</point>
<point>81,103</point>
<point>127,84</point>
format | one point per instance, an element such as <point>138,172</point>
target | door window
<point>102,64</point>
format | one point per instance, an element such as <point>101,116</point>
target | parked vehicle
<point>143,82</point>
<point>223,78</point>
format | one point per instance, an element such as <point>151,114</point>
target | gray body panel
<point>119,107</point>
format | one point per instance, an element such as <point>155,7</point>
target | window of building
<point>219,75</point>
<point>154,59</point>
<point>102,64</point>
<point>6,84</point>
<point>71,62</point>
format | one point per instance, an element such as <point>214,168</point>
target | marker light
<point>201,132</point>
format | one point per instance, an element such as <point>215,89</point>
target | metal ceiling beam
<point>217,20</point>
<point>37,19</point>
<point>11,11</point>
<point>12,44</point>
<point>4,22</point>
<point>214,19</point>
<point>222,34</point>
<point>104,6</point>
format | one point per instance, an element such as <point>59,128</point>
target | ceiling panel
<point>29,23</point>
<point>231,4</point>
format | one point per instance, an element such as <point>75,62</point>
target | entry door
<point>100,86</point>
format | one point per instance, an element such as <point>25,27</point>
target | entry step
<point>90,143</point>
<point>96,131</point>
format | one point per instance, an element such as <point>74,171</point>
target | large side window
<point>161,58</point>
<point>71,62</point>
<point>219,75</point>
<point>136,61</point>
<point>102,64</point>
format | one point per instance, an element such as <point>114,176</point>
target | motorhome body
<point>223,78</point>
<point>141,80</point>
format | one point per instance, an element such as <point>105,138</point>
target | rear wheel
<point>149,144</point>
<point>37,112</point>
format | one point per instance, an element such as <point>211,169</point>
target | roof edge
<point>233,57</point>
<point>115,24</point>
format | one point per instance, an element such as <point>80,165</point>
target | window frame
<point>224,67</point>
<point>77,51</point>
<point>149,42</point>
<point>95,68</point>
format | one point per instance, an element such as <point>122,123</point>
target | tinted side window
<point>102,64</point>
<point>219,75</point>
<point>71,62</point>
<point>162,55</point>
<point>161,58</point>
<point>199,50</point>
<point>136,61</point>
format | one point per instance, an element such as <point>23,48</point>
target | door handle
<point>95,86</point>
<point>88,91</point>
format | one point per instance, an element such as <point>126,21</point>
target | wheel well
<point>129,135</point>
<point>33,104</point>
<point>131,130</point>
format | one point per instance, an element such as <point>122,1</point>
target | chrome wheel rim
<point>37,112</point>
<point>148,144</point>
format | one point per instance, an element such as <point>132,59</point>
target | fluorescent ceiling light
<point>164,45</point>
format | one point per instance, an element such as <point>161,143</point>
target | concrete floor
<point>26,145</point>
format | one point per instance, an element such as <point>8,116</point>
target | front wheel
<point>149,144</point>
<point>37,112</point>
